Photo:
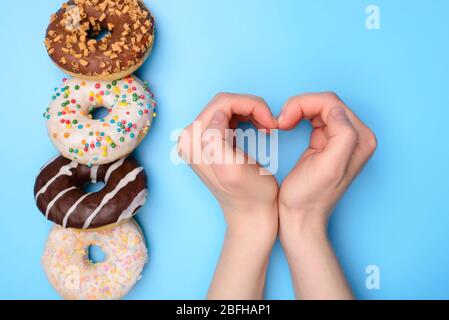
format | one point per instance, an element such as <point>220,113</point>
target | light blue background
<point>396,215</point>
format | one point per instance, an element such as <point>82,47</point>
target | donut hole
<point>95,254</point>
<point>98,113</point>
<point>93,187</point>
<point>98,35</point>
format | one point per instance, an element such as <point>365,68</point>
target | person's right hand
<point>246,192</point>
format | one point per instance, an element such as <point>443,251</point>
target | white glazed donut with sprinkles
<point>67,266</point>
<point>80,137</point>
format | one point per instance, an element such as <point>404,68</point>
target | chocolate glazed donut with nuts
<point>71,44</point>
<point>60,196</point>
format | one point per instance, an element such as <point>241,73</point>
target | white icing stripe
<point>112,168</point>
<point>64,171</point>
<point>93,174</point>
<point>48,163</point>
<point>51,204</point>
<point>138,201</point>
<point>72,209</point>
<point>131,176</point>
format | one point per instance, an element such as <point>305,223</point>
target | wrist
<point>300,226</point>
<point>259,223</point>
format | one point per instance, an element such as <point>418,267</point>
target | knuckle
<point>291,100</point>
<point>351,134</point>
<point>370,142</point>
<point>183,145</point>
<point>221,96</point>
<point>332,96</point>
<point>260,100</point>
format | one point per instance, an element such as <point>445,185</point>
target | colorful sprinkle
<point>127,107</point>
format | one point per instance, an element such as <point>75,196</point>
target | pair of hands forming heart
<point>256,209</point>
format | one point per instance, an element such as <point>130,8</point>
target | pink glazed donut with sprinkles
<point>80,137</point>
<point>75,277</point>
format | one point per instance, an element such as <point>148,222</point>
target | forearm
<point>315,270</point>
<point>241,270</point>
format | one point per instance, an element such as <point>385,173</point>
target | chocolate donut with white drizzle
<point>60,196</point>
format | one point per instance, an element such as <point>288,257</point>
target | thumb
<point>219,121</point>
<point>219,152</point>
<point>342,138</point>
<point>216,139</point>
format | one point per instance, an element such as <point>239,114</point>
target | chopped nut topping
<point>116,47</point>
<point>82,45</point>
<point>119,50</point>
<point>103,6</point>
<point>47,43</point>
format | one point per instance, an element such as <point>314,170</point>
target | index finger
<point>242,105</point>
<point>312,105</point>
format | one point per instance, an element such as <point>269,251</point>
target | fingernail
<point>338,113</point>
<point>218,117</point>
